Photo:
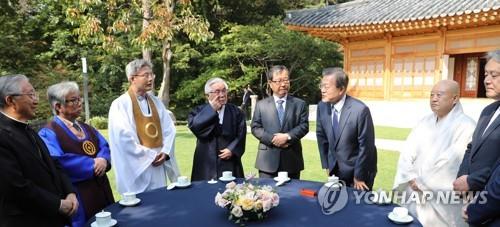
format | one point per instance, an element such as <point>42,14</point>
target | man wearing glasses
<point>279,122</point>
<point>34,191</point>
<point>141,134</point>
<point>482,153</point>
<point>220,130</point>
<point>81,149</point>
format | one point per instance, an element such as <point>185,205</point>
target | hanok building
<point>399,48</point>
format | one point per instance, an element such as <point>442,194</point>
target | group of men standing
<point>447,152</point>
<point>57,177</point>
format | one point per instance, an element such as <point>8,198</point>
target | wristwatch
<point>289,137</point>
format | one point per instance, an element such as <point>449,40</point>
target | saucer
<point>182,185</point>
<point>399,220</point>
<point>227,179</point>
<point>330,184</point>
<point>131,203</point>
<point>278,179</point>
<point>113,223</point>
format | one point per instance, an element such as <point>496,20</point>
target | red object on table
<point>308,192</point>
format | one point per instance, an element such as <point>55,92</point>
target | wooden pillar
<point>387,67</point>
<point>443,57</point>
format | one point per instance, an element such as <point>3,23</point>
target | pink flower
<point>230,185</point>
<point>266,205</point>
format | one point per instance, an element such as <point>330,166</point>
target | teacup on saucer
<point>282,179</point>
<point>399,215</point>
<point>182,181</point>
<point>103,219</point>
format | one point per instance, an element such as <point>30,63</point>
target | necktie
<point>335,123</point>
<point>281,111</point>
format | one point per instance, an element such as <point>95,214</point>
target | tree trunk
<point>166,56</point>
<point>164,93</point>
<point>146,9</point>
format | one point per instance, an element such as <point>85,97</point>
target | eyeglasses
<point>218,92</point>
<point>281,81</point>
<point>324,86</point>
<point>146,75</point>
<point>74,101</point>
<point>32,95</point>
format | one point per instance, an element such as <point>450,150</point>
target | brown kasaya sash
<point>94,193</point>
<point>148,128</point>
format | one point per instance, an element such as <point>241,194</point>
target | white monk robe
<point>131,161</point>
<point>432,155</point>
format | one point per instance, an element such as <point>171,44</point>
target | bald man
<point>432,154</point>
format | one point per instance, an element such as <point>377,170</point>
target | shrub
<point>99,122</point>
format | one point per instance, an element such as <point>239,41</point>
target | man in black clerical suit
<point>33,189</point>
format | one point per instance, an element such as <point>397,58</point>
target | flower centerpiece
<point>246,201</point>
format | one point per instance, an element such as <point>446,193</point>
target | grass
<point>381,132</point>
<point>185,144</point>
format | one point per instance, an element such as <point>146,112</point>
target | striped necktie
<point>335,123</point>
<point>281,111</point>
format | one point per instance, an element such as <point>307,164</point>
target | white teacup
<point>128,197</point>
<point>400,212</point>
<point>103,218</point>
<point>182,180</point>
<point>283,175</point>
<point>334,179</point>
<point>227,174</point>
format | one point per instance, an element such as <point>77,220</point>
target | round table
<point>195,206</point>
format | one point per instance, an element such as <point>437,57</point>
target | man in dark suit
<point>33,189</point>
<point>345,133</point>
<point>483,151</point>
<point>220,131</point>
<point>279,122</point>
<point>483,211</point>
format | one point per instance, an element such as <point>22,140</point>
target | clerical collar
<point>13,118</point>
<point>338,106</point>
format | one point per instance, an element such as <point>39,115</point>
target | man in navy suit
<point>483,151</point>
<point>484,210</point>
<point>345,133</point>
<point>279,122</point>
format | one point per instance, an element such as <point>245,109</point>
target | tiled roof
<point>365,12</point>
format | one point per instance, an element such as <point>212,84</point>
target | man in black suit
<point>483,211</point>
<point>279,122</point>
<point>345,133</point>
<point>33,189</point>
<point>483,151</point>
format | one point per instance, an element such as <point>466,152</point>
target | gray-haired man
<point>33,189</point>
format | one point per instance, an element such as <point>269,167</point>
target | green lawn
<point>186,142</point>
<point>381,132</point>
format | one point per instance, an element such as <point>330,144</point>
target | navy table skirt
<point>195,206</point>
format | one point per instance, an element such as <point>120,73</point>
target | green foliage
<point>99,122</point>
<point>243,55</point>
<point>45,40</point>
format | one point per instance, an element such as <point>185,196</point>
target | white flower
<point>237,212</point>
